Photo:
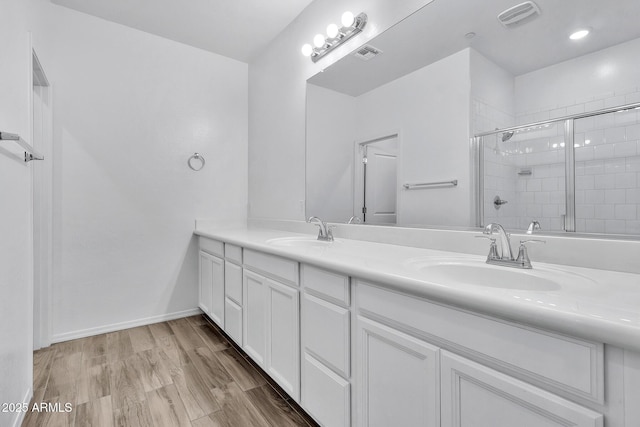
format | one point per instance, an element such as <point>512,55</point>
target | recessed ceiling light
<point>579,34</point>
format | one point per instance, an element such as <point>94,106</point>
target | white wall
<point>277,101</point>
<point>16,321</point>
<point>430,110</point>
<point>492,107</point>
<point>589,79</point>
<point>331,125</point>
<point>129,110</point>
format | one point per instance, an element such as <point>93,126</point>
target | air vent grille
<point>367,52</point>
<point>518,14</point>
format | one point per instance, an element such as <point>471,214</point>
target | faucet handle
<point>493,248</point>
<point>522,242</point>
<point>523,256</point>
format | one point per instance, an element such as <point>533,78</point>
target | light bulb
<point>580,34</point>
<point>332,31</point>
<point>318,40</point>
<point>347,19</point>
<point>307,49</point>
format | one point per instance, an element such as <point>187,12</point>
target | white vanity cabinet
<point>354,352</point>
<point>211,280</point>
<point>271,317</point>
<point>233,292</point>
<point>326,346</point>
<point>398,378</point>
<point>475,395</point>
<point>408,373</point>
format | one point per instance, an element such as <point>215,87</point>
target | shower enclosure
<point>578,173</point>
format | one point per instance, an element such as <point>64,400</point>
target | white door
<point>379,192</point>
<point>476,396</point>
<point>283,349</point>
<point>398,378</point>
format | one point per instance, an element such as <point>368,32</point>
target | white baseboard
<point>17,421</point>
<point>83,333</point>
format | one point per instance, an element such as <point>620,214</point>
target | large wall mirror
<point>456,118</point>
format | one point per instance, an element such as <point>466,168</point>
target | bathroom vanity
<point>372,334</point>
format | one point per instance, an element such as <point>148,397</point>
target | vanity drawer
<point>233,253</point>
<point>326,332</point>
<point>565,364</point>
<point>330,286</point>
<point>233,282</point>
<point>233,320</point>
<point>213,247</point>
<point>281,269</point>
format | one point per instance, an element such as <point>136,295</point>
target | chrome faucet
<point>505,258</point>
<point>354,220</point>
<point>324,233</point>
<point>505,243</point>
<point>533,226</point>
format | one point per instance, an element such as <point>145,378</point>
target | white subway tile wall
<point>607,155</point>
<point>498,174</point>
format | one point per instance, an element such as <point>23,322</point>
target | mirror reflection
<point>389,126</point>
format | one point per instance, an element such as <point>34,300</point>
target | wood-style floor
<point>178,373</point>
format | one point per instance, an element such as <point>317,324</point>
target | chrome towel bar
<point>29,154</point>
<point>452,183</point>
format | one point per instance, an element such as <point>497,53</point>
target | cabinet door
<point>233,281</point>
<point>233,320</point>
<point>397,378</point>
<point>283,349</point>
<point>476,396</point>
<point>254,316</point>
<point>211,293</point>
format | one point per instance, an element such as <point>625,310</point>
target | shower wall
<point>607,147</point>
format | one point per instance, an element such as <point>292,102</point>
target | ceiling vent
<point>519,14</point>
<point>367,52</point>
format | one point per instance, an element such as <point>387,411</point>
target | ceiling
<point>438,30</point>
<point>236,29</point>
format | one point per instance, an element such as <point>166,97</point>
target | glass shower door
<point>524,177</point>
<point>607,168</point>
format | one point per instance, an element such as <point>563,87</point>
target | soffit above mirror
<point>438,30</point>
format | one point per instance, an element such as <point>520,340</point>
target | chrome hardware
<point>196,156</point>
<point>505,258</point>
<point>498,202</point>
<point>354,220</point>
<point>523,256</point>
<point>533,226</point>
<point>505,244</point>
<point>325,234</point>
<point>493,248</point>
<point>452,183</point>
<point>29,154</point>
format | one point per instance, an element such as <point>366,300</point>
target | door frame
<point>41,120</point>
<point>358,170</point>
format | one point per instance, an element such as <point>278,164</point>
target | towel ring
<point>196,156</point>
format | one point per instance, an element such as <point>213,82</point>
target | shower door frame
<point>477,142</point>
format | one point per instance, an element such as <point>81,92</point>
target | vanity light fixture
<point>351,25</point>
<point>579,34</point>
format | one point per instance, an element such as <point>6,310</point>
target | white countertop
<point>598,305</point>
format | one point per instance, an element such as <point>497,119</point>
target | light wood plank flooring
<point>178,373</point>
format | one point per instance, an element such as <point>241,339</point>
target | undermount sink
<point>461,271</point>
<point>300,242</point>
